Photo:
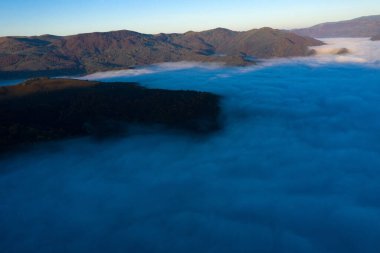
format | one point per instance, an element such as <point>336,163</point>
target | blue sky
<point>62,17</point>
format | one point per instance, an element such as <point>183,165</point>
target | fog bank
<point>295,169</point>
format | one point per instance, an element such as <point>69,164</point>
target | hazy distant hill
<point>359,27</point>
<point>85,53</point>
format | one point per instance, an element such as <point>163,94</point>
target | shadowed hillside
<point>48,109</point>
<point>50,55</point>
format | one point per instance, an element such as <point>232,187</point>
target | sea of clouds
<point>296,167</point>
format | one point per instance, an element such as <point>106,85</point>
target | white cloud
<point>361,50</point>
<point>157,68</point>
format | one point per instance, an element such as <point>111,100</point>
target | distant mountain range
<point>360,27</point>
<point>49,55</point>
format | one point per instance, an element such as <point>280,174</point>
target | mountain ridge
<point>50,55</point>
<point>366,26</point>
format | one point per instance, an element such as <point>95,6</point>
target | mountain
<point>259,43</point>
<point>49,55</point>
<point>375,38</point>
<point>48,109</point>
<point>359,27</point>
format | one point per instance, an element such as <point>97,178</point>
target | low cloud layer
<point>296,169</point>
<point>361,50</point>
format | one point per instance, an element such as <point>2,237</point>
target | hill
<point>49,55</point>
<point>360,27</point>
<point>48,109</point>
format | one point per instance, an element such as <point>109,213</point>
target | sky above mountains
<point>63,17</point>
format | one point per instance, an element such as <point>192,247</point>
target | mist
<point>294,169</point>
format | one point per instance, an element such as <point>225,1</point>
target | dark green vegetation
<point>359,27</point>
<point>48,55</point>
<point>49,109</point>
